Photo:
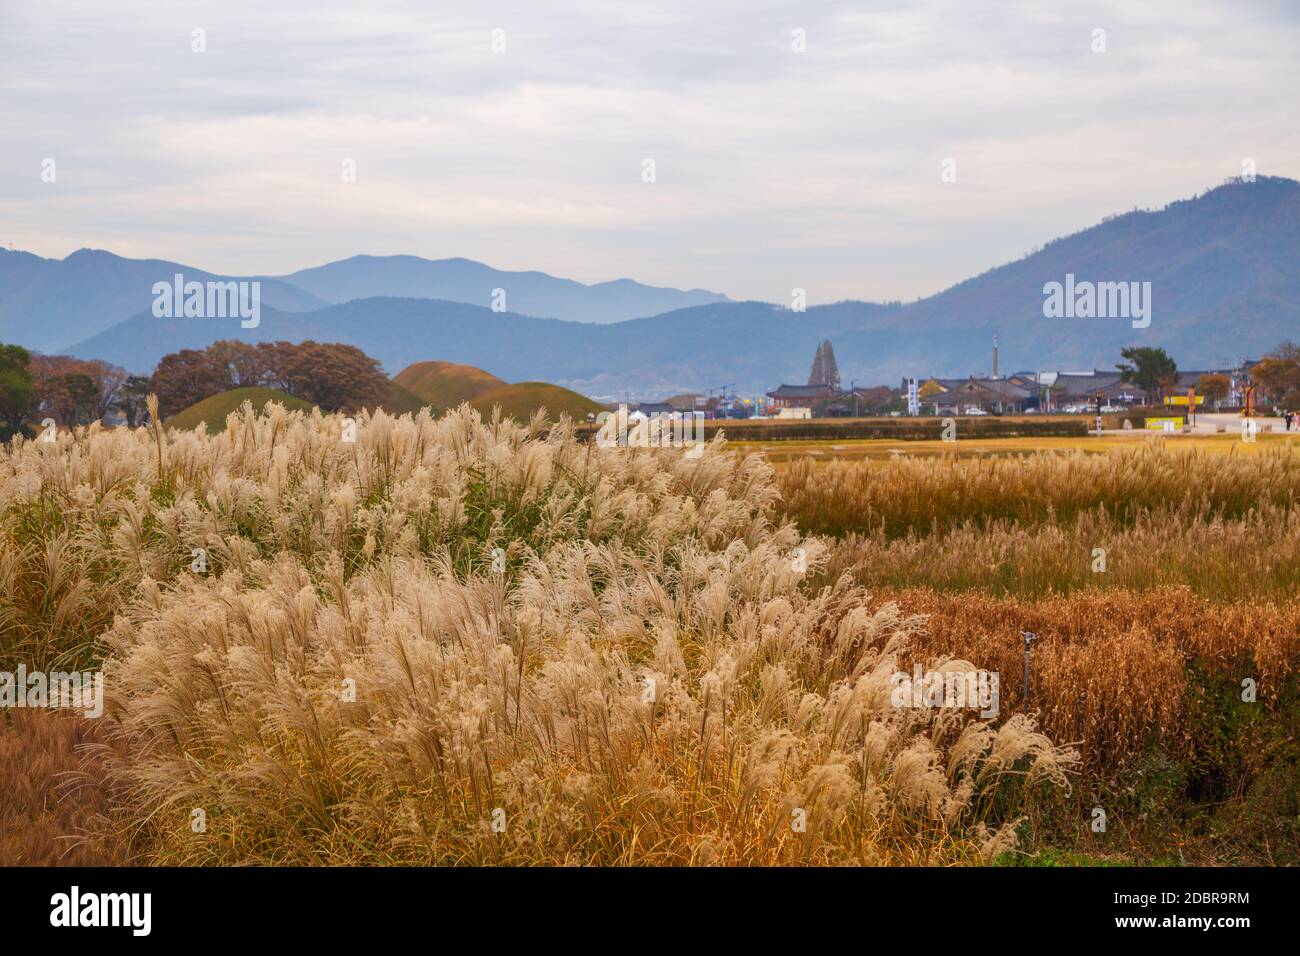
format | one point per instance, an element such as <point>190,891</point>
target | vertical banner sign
<point>913,398</point>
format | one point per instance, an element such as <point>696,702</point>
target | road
<point>1209,423</point>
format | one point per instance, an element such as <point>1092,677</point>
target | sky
<point>518,134</point>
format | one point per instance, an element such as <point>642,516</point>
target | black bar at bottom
<point>218,906</point>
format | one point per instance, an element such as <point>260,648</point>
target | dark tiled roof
<point>874,391</point>
<point>995,387</point>
<point>1070,384</point>
<point>802,391</point>
<point>1008,390</point>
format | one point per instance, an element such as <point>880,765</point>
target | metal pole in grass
<point>1029,637</point>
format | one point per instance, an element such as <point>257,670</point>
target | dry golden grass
<point>822,451</point>
<point>54,800</point>
<point>617,653</point>
<point>1110,670</point>
<point>1151,687</point>
<point>473,700</point>
<point>523,687</point>
<point>1256,556</point>
<point>934,495</point>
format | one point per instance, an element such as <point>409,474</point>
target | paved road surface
<point>1209,423</point>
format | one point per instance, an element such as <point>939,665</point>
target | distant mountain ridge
<point>649,356</point>
<point>1223,268</point>
<point>51,304</point>
<point>463,280</point>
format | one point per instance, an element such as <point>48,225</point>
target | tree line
<point>1277,375</point>
<point>334,376</point>
<point>74,391</point>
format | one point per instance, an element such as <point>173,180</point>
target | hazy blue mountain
<point>463,280</point>
<point>139,342</point>
<point>48,304</point>
<point>662,354</point>
<point>1224,269</point>
<point>18,267</point>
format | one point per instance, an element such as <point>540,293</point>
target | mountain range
<point>463,280</point>
<point>55,304</point>
<point>49,304</point>
<point>1224,269</point>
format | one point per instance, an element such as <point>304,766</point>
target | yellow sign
<point>1182,399</point>
<point>1164,424</point>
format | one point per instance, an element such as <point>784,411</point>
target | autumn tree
<point>283,372</point>
<point>335,377</point>
<point>132,400</point>
<point>330,375</point>
<point>74,391</point>
<point>49,379</point>
<point>77,395</point>
<point>108,380</point>
<point>1278,374</point>
<point>1214,387</point>
<point>185,377</point>
<point>241,364</point>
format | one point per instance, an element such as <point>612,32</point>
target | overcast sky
<point>774,168</point>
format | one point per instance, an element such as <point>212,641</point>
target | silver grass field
<point>465,641</point>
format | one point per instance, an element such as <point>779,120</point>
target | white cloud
<point>775,168</point>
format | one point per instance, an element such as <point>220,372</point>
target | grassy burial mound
<point>520,401</point>
<point>446,384</point>
<point>397,400</point>
<point>212,411</point>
